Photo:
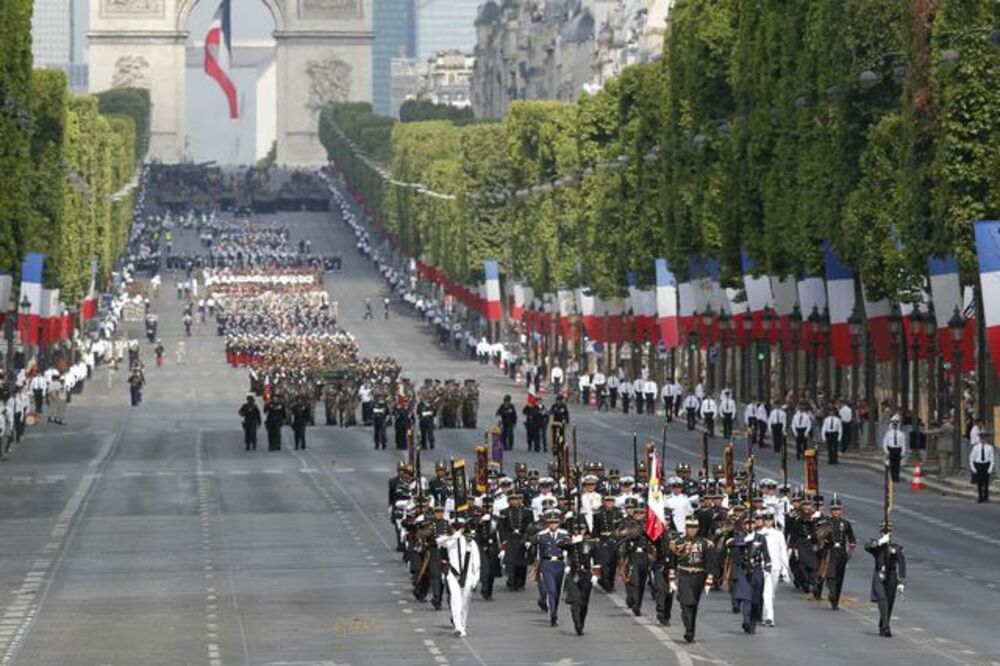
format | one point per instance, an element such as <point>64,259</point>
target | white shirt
<point>974,435</point>
<point>749,413</point>
<point>846,414</point>
<point>600,379</point>
<point>691,402</point>
<point>699,390</point>
<point>557,374</point>
<point>727,406</point>
<point>458,546</point>
<point>894,439</point>
<point>802,421</point>
<point>980,453</point>
<point>585,381</point>
<point>649,387</point>
<point>777,417</point>
<point>761,412</point>
<point>667,391</point>
<point>680,507</point>
<point>777,550</point>
<point>832,424</point>
<point>612,382</point>
<point>708,406</point>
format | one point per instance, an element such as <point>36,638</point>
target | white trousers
<point>770,585</point>
<point>459,598</point>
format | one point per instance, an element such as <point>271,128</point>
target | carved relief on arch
<point>130,72</point>
<point>329,81</point>
<point>329,9</point>
<point>131,8</point>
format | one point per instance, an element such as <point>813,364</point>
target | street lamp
<point>707,318</point>
<point>813,381</point>
<point>692,346</point>
<point>24,329</point>
<point>745,363</point>
<point>956,328</point>
<point>933,364</point>
<point>895,324</point>
<point>795,323</point>
<point>916,331</point>
<point>824,329</point>
<point>855,323</point>
<point>725,326</point>
<point>767,324</point>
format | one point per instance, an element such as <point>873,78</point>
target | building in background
<point>395,26</point>
<point>447,79</point>
<point>558,49</point>
<point>445,25</point>
<point>59,39</point>
<point>405,83</point>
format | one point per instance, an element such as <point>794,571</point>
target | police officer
<point>981,466</point>
<point>690,577</point>
<point>707,411</point>
<point>727,408</point>
<point>380,414</point>
<point>889,577</point>
<point>894,446</point>
<point>691,409</point>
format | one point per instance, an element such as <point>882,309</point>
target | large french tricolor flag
<point>6,282</point>
<point>812,298</point>
<point>988,248</point>
<point>840,294</point>
<point>585,306</point>
<point>31,288</point>
<point>517,302</point>
<point>51,318</point>
<point>758,291</point>
<point>564,309</point>
<point>786,297</point>
<point>642,302</point>
<point>218,55</point>
<point>494,308</point>
<point>666,305</point>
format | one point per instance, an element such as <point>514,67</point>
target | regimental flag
<point>988,248</point>
<point>31,288</point>
<point>656,523</point>
<point>6,282</point>
<point>494,309</point>
<point>840,293</point>
<point>218,55</point>
<point>666,304</point>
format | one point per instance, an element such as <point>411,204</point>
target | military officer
<point>463,572</point>
<point>838,546</point>
<point>380,414</point>
<point>579,579</point>
<point>514,524</point>
<point>889,577</point>
<point>507,415</point>
<point>551,566</point>
<point>606,522</point>
<point>635,547</point>
<point>751,564</point>
<point>250,416</point>
<point>484,529</point>
<point>274,419</point>
<point>402,423</point>
<point>425,416</point>
<point>690,578</point>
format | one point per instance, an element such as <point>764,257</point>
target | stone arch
<point>276,7</point>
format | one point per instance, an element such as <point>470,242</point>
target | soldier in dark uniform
<point>426,415</point>
<point>507,415</point>
<point>418,528</point>
<point>839,545</point>
<point>889,577</point>
<point>559,414</point>
<point>484,527</point>
<point>580,561</point>
<point>752,562</point>
<point>550,564</point>
<point>522,484</point>
<point>533,424</point>
<point>438,486</point>
<point>803,541</point>
<point>380,414</point>
<point>401,422</point>
<point>300,419</point>
<point>691,577</point>
<point>436,563</point>
<point>401,480</point>
<point>634,551</point>
<point>250,415</point>
<point>607,521</point>
<point>662,561</point>
<point>513,528</point>
<point>274,419</point>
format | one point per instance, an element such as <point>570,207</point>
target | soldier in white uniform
<point>463,573</point>
<point>778,551</point>
<point>677,503</point>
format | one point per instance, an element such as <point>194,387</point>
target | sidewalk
<point>946,484</point>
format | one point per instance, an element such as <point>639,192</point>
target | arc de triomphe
<point>323,54</point>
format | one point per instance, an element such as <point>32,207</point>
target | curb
<point>946,486</point>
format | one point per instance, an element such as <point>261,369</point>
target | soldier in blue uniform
<point>752,562</point>
<point>550,564</point>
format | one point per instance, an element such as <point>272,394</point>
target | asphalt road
<point>148,536</point>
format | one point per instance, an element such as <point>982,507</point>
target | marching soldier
<point>485,532</point>
<point>515,521</point>
<point>889,577</point>
<point>559,415</point>
<point>380,414</point>
<point>550,563</point>
<point>662,562</point>
<point>401,422</point>
<point>634,554</point>
<point>838,546</point>
<point>274,419</point>
<point>435,557</point>
<point>507,415</point>
<point>426,415</point>
<point>463,571</point>
<point>751,565</point>
<point>438,486</point>
<point>579,580</point>
<point>300,419</point>
<point>690,578</point>
<point>607,521</point>
<point>533,423</point>
<point>250,415</point>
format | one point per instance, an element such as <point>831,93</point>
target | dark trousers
<point>800,443</point>
<point>250,438</point>
<point>507,436</point>
<point>639,399</point>
<point>635,586</point>
<point>517,574</point>
<point>534,438</point>
<point>661,594</point>
<point>710,424</point>
<point>777,436</point>
<point>835,582</point>
<point>614,398</point>
<point>845,440</point>
<point>300,437</point>
<point>895,459</point>
<point>552,579</point>
<point>426,436</point>
<point>650,403</point>
<point>274,439</point>
<point>727,426</point>
<point>607,557</point>
<point>689,589</point>
<point>379,433</point>
<point>136,393</point>
<point>39,400</point>
<point>689,413</point>
<point>366,412</point>
<point>18,426</point>
<point>884,593</point>
<point>832,442</point>
<point>982,478</point>
<point>626,399</point>
<point>578,588</point>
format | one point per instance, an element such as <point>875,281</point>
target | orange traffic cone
<point>917,481</point>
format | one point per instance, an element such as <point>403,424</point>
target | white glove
<point>577,538</point>
<point>593,580</point>
<point>673,588</point>
<point>566,571</point>
<point>900,588</point>
<point>708,588</point>
<point>883,540</point>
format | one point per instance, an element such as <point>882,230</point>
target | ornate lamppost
<point>855,323</point>
<point>916,332</point>
<point>725,326</point>
<point>956,328</point>
<point>707,318</point>
<point>824,331</point>
<point>812,378</point>
<point>745,363</point>
<point>795,323</point>
<point>895,327</point>
<point>764,355</point>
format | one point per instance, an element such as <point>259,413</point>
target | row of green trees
<point>766,126</point>
<point>63,161</point>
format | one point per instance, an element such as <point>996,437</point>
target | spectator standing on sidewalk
<point>981,464</point>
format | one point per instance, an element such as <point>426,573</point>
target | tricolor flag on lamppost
<point>218,55</point>
<point>988,248</point>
